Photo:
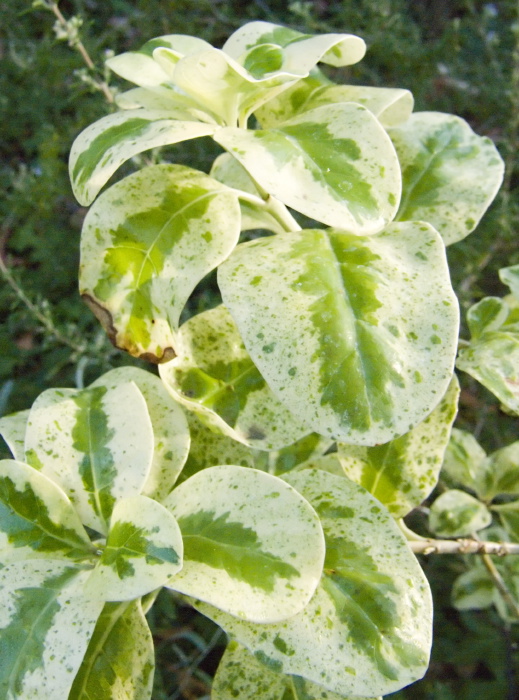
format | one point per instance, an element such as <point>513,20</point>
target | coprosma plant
<point>244,478</point>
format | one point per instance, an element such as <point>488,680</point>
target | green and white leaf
<point>37,519</point>
<point>510,277</point>
<point>391,106</point>
<point>106,144</point>
<point>96,444</point>
<point>450,174</point>
<point>146,243</point>
<point>309,448</point>
<point>46,621</point>
<point>252,545</point>
<point>403,472</point>
<point>143,550</point>
<point>230,172</point>
<point>473,590</point>
<point>120,659</point>
<point>215,377</point>
<point>170,428</point>
<point>458,514</point>
<point>368,627</point>
<point>12,429</point>
<point>464,460</point>
<point>365,328</point>
<point>492,357</point>
<point>321,164</point>
<point>501,472</point>
<point>300,51</point>
<point>509,516</point>
<point>210,448</point>
<point>241,675</point>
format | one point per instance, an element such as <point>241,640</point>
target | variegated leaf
<point>241,675</point>
<point>210,448</point>
<point>321,164</point>
<point>509,516</point>
<point>143,550</point>
<point>492,356</point>
<point>473,590</point>
<point>457,514</point>
<point>391,106</point>
<point>214,376</point>
<point>46,621</point>
<point>228,170</point>
<point>146,244</point>
<point>510,277</point>
<point>501,472</point>
<point>450,174</point>
<point>120,660</point>
<point>301,51</point>
<point>12,429</point>
<point>403,472</point>
<point>365,328</point>
<point>170,428</point>
<point>368,627</point>
<point>107,143</point>
<point>96,444</point>
<point>252,545</point>
<point>464,460</point>
<point>37,519</point>
<point>278,462</point>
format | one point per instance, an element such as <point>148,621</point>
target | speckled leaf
<point>241,675</point>
<point>46,621</point>
<point>146,244</point>
<point>214,376</point>
<point>210,448</point>
<point>170,428</point>
<point>501,472</point>
<point>493,354</point>
<point>464,459</point>
<point>12,429</point>
<point>107,143</point>
<point>37,519</point>
<point>365,328</point>
<point>228,170</point>
<point>321,164</point>
<point>368,627</point>
<point>278,462</point>
<point>301,51</point>
<point>120,659</point>
<point>97,444</point>
<point>252,545</point>
<point>473,590</point>
<point>450,174</point>
<point>390,105</point>
<point>403,472</point>
<point>143,550</point>
<point>458,514</point>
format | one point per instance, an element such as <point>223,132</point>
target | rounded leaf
<point>457,514</point>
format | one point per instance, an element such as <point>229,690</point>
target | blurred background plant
<point>458,56</point>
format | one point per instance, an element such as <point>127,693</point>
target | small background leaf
<point>457,514</point>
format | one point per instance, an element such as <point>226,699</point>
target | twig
<point>501,586</point>
<point>463,546</point>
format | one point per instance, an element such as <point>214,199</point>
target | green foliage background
<point>458,56</point>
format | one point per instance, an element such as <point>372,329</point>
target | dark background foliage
<point>459,56</point>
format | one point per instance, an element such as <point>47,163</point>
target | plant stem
<point>463,546</point>
<point>501,586</point>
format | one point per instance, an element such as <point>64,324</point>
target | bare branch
<point>463,546</point>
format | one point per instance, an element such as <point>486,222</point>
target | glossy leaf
<point>241,675</point>
<point>46,621</point>
<point>106,144</point>
<point>278,462</point>
<point>365,328</point>
<point>146,243</point>
<point>119,661</point>
<point>464,459</point>
<point>450,174</point>
<point>403,472</point>
<point>143,550</point>
<point>37,519</point>
<point>170,428</point>
<point>96,444</point>
<point>368,627</point>
<point>252,545</point>
<point>12,429</point>
<point>501,472</point>
<point>493,354</point>
<point>210,448</point>
<point>458,514</point>
<point>321,164</point>
<point>391,106</point>
<point>214,376</point>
